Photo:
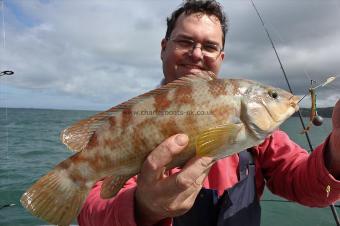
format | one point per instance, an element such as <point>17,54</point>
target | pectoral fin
<point>210,141</point>
<point>111,186</point>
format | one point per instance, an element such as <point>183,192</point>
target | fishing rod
<point>335,214</point>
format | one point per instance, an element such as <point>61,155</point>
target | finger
<point>179,202</point>
<point>195,171</point>
<point>191,176</point>
<point>183,203</point>
<point>200,180</point>
<point>189,202</point>
<point>154,165</point>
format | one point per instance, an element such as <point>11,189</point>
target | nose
<point>196,52</point>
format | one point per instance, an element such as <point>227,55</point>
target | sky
<point>93,55</point>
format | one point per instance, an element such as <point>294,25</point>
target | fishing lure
<point>314,118</point>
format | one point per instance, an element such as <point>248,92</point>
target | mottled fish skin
<point>115,143</point>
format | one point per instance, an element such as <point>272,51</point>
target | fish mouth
<point>294,102</point>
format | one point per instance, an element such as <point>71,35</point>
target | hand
<point>333,157</point>
<point>158,195</point>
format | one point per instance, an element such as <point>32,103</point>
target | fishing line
<point>335,214</point>
<point>283,71</point>
<point>306,73</point>
<point>3,73</point>
<point>329,80</point>
<point>3,23</point>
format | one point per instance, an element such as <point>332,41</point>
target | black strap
<point>246,160</point>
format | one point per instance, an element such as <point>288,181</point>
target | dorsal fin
<point>77,136</point>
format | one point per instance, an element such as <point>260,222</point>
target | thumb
<point>159,158</point>
<point>336,115</point>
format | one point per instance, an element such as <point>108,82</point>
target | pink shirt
<point>287,168</point>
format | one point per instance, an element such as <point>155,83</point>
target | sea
<point>30,146</point>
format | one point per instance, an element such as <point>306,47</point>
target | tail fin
<point>55,198</point>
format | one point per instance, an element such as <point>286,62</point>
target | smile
<point>190,66</point>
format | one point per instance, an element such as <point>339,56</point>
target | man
<point>204,192</point>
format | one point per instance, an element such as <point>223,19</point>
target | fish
<point>220,116</point>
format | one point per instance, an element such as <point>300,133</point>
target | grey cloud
<point>306,35</point>
<point>103,52</point>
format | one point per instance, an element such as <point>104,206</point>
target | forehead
<point>199,26</point>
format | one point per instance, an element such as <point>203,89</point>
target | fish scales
<point>220,116</point>
<point>144,127</point>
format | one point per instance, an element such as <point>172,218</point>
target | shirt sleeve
<point>117,211</point>
<point>294,174</point>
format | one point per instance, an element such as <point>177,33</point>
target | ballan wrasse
<point>221,117</point>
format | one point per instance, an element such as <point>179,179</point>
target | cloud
<point>101,53</point>
<point>84,49</point>
<point>306,36</point>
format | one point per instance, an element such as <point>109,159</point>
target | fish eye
<point>273,94</point>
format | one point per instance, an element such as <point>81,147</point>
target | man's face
<point>200,28</point>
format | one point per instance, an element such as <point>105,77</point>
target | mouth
<point>192,67</point>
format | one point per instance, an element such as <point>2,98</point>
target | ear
<point>222,55</point>
<point>163,46</point>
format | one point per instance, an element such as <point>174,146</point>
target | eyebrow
<point>189,37</point>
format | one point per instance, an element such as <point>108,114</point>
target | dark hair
<point>209,7</point>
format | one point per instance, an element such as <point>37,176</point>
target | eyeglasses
<point>209,50</point>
